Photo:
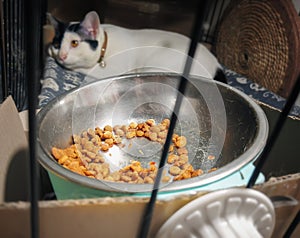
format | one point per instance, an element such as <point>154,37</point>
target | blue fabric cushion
<point>57,80</point>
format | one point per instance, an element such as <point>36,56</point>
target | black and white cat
<point>102,50</point>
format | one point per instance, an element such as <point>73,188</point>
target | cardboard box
<point>99,217</point>
<point>14,163</point>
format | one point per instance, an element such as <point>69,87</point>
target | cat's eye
<point>74,43</point>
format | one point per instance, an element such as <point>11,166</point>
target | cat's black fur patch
<point>93,44</point>
<point>59,34</point>
<point>220,76</point>
<point>76,28</point>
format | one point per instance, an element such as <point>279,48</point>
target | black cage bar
<point>13,70</point>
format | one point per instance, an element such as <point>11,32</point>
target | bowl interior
<point>216,120</point>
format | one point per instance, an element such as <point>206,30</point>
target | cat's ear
<point>91,24</point>
<point>53,21</point>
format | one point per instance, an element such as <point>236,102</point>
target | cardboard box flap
<point>14,154</point>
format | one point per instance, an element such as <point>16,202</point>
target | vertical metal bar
<point>212,17</point>
<point>220,13</point>
<point>10,41</point>
<point>275,133</point>
<point>18,55</point>
<point>14,29</point>
<point>12,51</point>
<point>19,80</point>
<point>197,33</point>
<point>3,54</point>
<point>7,33</point>
<point>22,47</point>
<point>33,44</point>
<point>292,226</point>
<point>22,92</point>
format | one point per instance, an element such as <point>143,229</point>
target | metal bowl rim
<point>247,157</point>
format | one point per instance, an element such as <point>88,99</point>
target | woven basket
<point>260,39</point>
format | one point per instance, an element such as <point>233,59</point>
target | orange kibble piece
<point>150,122</point>
<point>90,173</point>
<point>89,145</point>
<point>107,135</point>
<point>85,135</point>
<point>166,179</point>
<point>197,172</point>
<point>162,127</point>
<point>148,180</point>
<point>84,156</point>
<point>174,137</point>
<point>184,158</point>
<point>212,169</point>
<point>133,125</point>
<point>124,128</point>
<point>74,164</point>
<point>166,122</point>
<point>140,126</point>
<point>57,153</point>
<point>104,147</point>
<point>162,134</point>
<point>153,136</point>
<point>120,132</point>
<point>211,157</point>
<point>146,127</point>
<point>91,155</point>
<point>174,170</point>
<point>172,158</point>
<point>108,128</point>
<point>63,159</point>
<point>146,134</point>
<point>91,132</point>
<point>140,133</point>
<point>130,134</point>
<point>99,131</point>
<point>76,139</point>
<point>109,141</point>
<point>155,129</point>
<point>125,178</point>
<point>117,140</point>
<point>180,141</point>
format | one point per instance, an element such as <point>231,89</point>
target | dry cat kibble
<point>84,155</point>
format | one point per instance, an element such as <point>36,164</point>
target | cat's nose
<point>62,56</point>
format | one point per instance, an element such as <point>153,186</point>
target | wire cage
<point>13,45</point>
<point>13,81</point>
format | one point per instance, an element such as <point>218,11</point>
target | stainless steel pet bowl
<point>217,120</point>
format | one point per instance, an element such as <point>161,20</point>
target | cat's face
<point>76,45</point>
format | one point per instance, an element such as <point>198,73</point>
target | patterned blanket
<point>57,80</point>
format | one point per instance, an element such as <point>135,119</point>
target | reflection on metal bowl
<point>216,119</point>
